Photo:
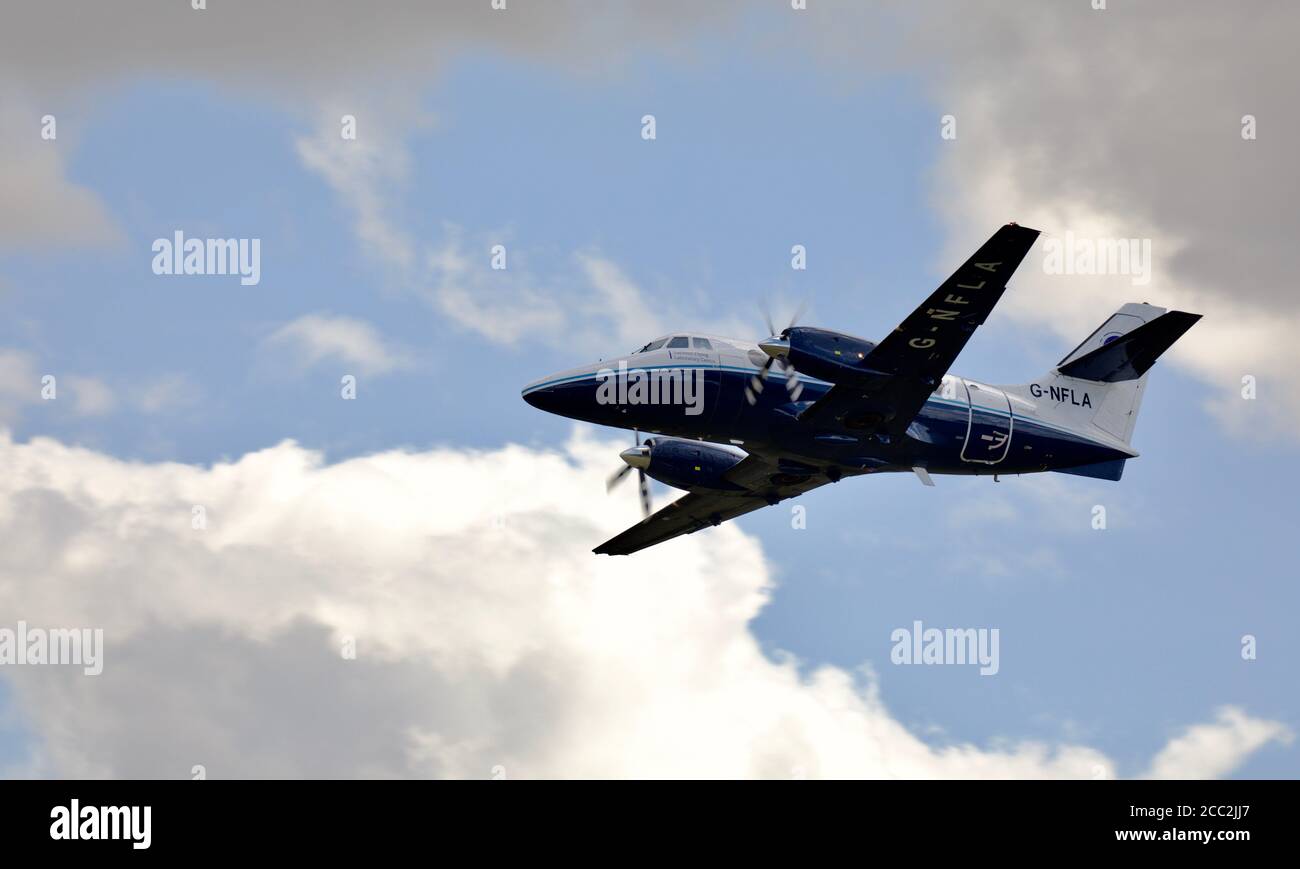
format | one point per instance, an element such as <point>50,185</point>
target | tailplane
<point>1127,355</point>
<point>1099,384</point>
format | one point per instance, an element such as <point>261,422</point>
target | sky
<point>401,584</point>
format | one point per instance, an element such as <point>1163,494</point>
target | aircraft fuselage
<point>965,427</point>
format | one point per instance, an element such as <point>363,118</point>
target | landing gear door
<point>989,427</point>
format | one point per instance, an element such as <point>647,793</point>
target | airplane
<point>736,441</point>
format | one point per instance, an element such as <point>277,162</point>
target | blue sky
<point>1116,639</point>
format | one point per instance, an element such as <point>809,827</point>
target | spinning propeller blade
<point>637,457</point>
<point>776,347</point>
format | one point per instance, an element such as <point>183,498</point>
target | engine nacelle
<point>691,465</point>
<point>830,356</point>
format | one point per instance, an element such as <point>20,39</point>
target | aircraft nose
<point>558,392</point>
<point>538,395</point>
<point>571,393</point>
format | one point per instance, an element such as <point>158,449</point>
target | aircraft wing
<point>913,359</point>
<point>766,483</point>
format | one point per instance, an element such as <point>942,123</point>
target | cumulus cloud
<point>486,633</point>
<point>1127,124</point>
<point>314,338</point>
<point>1216,748</point>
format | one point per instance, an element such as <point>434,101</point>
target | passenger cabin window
<point>678,343</point>
<point>701,344</point>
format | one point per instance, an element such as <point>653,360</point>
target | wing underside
<point>767,485</point>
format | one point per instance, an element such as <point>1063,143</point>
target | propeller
<point>776,347</point>
<point>637,457</point>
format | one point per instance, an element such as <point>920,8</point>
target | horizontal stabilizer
<point>1129,356</point>
<point>1111,470</point>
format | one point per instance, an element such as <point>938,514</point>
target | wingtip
<point>1183,320</point>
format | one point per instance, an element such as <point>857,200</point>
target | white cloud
<point>20,383</point>
<point>168,392</point>
<point>591,307</point>
<point>487,634</point>
<point>634,319</point>
<point>315,338</point>
<point>90,395</point>
<point>364,171</point>
<point>596,310</point>
<point>1215,749</point>
<point>505,306</point>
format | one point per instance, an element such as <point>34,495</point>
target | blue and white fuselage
<point>965,427</point>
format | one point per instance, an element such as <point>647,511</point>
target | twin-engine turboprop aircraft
<point>737,439</point>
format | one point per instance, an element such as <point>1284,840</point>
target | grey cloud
<point>1127,123</point>
<point>310,45</point>
<point>1137,111</point>
<point>57,56</point>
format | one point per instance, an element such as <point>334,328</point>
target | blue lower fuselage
<point>948,436</point>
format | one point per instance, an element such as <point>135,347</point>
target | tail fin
<point>1100,383</point>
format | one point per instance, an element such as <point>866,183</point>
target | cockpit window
<point>678,342</point>
<point>701,344</point>
<point>653,345</point>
